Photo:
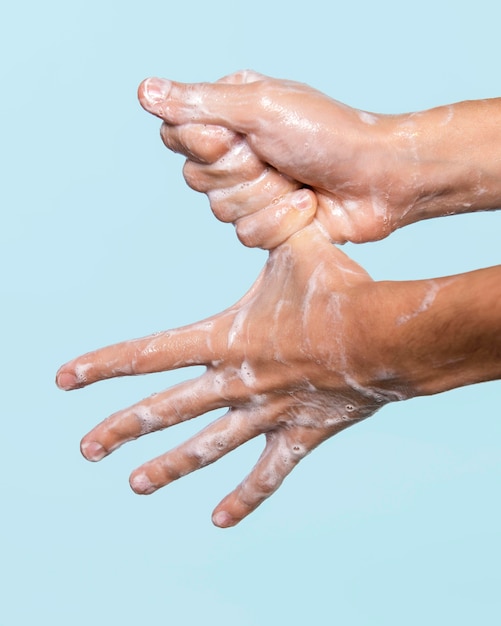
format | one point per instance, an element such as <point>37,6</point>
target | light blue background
<point>397,520</point>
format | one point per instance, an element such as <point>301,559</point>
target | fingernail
<point>155,90</point>
<point>302,200</point>
<point>66,381</point>
<point>223,519</point>
<point>93,451</point>
<point>140,483</point>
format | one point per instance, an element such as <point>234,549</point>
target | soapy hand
<point>371,173</point>
<point>285,360</point>
<point>271,132</point>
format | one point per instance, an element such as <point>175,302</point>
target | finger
<point>201,143</point>
<point>178,404</point>
<point>233,203</point>
<point>222,104</point>
<point>209,445</point>
<point>274,224</point>
<point>284,449</point>
<point>196,344</point>
<point>238,166</point>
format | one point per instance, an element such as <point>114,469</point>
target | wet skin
<point>267,360</point>
<point>312,348</point>
<point>371,173</point>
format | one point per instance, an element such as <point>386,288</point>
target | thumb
<point>231,105</point>
<point>274,224</point>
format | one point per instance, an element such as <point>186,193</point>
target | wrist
<point>418,338</point>
<point>447,161</point>
<point>378,357</point>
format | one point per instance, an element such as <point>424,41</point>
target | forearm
<point>431,336</point>
<point>449,160</point>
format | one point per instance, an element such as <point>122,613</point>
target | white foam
<point>427,301</point>
<point>368,118</point>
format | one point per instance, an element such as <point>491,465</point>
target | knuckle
<point>266,484</point>
<point>193,176</point>
<point>247,234</point>
<point>222,205</point>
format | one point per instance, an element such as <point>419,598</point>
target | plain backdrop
<point>396,520</point>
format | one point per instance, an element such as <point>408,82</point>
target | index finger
<point>201,143</point>
<point>190,345</point>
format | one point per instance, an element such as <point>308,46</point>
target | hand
<point>371,173</point>
<point>281,360</point>
<point>295,132</point>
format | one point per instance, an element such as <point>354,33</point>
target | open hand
<point>284,360</point>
